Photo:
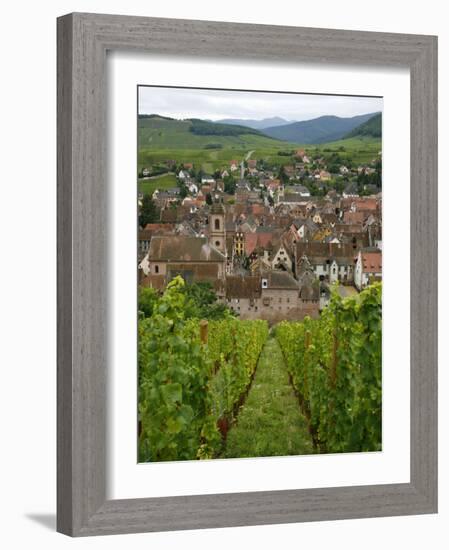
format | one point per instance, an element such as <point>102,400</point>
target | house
<point>351,190</point>
<point>207,180</point>
<point>291,198</point>
<point>234,165</point>
<point>368,267</point>
<point>302,229</point>
<point>281,258</point>
<point>194,258</point>
<point>162,198</point>
<point>324,175</point>
<point>330,261</point>
<point>271,295</point>
<point>262,238</point>
<point>192,187</point>
<point>298,189</point>
<point>350,217</point>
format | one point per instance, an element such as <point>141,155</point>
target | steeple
<point>217,231</point>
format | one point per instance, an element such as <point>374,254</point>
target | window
<point>156,269</point>
<point>217,243</point>
<point>217,223</point>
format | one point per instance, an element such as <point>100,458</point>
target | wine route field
<point>226,388</point>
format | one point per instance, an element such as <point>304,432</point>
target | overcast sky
<point>216,104</point>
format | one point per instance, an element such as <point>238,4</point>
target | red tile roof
<point>372,262</point>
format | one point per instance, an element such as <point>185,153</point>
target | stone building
<point>191,257</point>
<point>273,296</point>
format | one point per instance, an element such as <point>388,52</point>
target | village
<point>271,239</point>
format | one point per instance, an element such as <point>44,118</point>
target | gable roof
<point>280,280</point>
<point>319,253</point>
<point>243,287</point>
<point>183,249</point>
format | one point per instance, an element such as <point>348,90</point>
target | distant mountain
<point>371,128</point>
<point>317,130</point>
<point>256,124</point>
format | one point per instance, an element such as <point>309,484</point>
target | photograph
<point>259,273</point>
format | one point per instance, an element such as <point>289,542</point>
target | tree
<point>183,191</point>
<point>201,303</point>
<point>229,185</point>
<point>208,199</point>
<point>149,212</point>
<point>148,298</point>
<point>282,175</point>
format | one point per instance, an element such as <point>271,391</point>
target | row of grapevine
<point>189,387</point>
<point>336,368</point>
<point>233,348</point>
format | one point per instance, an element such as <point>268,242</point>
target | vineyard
<point>205,383</point>
<point>336,368</point>
<point>190,384</point>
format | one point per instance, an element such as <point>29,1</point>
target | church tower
<point>217,232</point>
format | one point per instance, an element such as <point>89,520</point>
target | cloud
<point>216,104</point>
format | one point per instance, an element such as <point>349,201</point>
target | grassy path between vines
<point>270,422</point>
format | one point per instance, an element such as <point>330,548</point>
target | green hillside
<point>148,186</point>
<point>359,150</point>
<point>370,128</point>
<point>162,139</point>
<point>163,133</point>
<point>208,145</point>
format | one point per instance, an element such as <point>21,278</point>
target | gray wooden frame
<point>83,40</point>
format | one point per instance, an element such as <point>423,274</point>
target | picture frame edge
<point>82,508</point>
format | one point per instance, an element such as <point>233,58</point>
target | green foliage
<point>148,299</point>
<point>270,422</point>
<point>202,303</point>
<point>149,213</point>
<point>229,185</point>
<point>335,364</point>
<point>173,374</point>
<point>233,348</point>
<point>207,128</point>
<point>371,128</point>
<point>213,146</point>
<point>187,386</point>
<point>283,176</point>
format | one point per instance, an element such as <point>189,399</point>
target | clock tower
<point>217,232</point>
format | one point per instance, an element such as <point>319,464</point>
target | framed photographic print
<point>247,278</point>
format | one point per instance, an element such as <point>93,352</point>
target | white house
<point>193,188</point>
<point>281,258</point>
<point>368,267</point>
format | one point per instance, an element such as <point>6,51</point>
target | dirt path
<point>270,422</point>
